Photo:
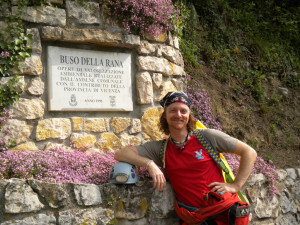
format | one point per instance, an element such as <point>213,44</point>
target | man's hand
<point>159,180</point>
<point>224,187</point>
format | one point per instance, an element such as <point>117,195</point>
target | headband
<point>177,96</point>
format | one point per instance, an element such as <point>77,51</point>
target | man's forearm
<point>248,156</point>
<point>130,154</point>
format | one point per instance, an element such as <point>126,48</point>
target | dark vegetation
<point>246,55</point>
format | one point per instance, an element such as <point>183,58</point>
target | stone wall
<point>157,68</point>
<point>34,202</point>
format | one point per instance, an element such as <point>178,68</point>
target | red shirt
<point>190,171</point>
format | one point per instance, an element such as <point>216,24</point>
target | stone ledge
<point>93,36</point>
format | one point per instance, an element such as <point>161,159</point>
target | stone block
<point>282,174</point>
<point>178,83</point>
<point>85,216</point>
<point>162,202</point>
<point>144,88</point>
<point>20,131</point>
<point>120,124</point>
<point>108,141</point>
<point>173,55</point>
<point>31,66</point>
<point>132,40</point>
<point>157,38</point>
<point>93,36</point>
<point>20,198</point>
<point>150,120</point>
<point>53,193</point>
<point>27,146</point>
<point>59,128</point>
<point>146,48</point>
<point>136,126</point>
<point>257,179</point>
<point>38,219</point>
<point>78,14</point>
<point>82,140</point>
<point>291,172</point>
<point>177,70</point>
<point>128,140</point>
<point>95,125</point>
<point>43,14</point>
<point>87,194</point>
<point>118,199</point>
<point>154,64</point>
<point>266,208</point>
<point>36,40</point>
<point>28,109</point>
<point>36,86</point>
<point>164,89</point>
<point>157,80</point>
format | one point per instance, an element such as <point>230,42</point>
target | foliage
<point>60,166</point>
<point>266,168</point>
<point>187,32</point>
<point>9,92</point>
<point>14,48</point>
<point>57,166</point>
<point>5,144</point>
<point>144,16</point>
<point>201,104</point>
<point>229,34</point>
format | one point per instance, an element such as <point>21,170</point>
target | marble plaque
<point>87,80</point>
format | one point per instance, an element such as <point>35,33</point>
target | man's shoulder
<point>151,144</point>
<point>210,131</point>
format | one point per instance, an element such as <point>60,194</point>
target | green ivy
<point>9,93</point>
<point>15,47</point>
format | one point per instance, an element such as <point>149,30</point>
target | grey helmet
<point>123,173</point>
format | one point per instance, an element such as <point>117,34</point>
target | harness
<point>236,205</point>
<point>236,211</point>
<point>217,157</point>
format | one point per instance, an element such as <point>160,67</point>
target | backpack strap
<point>210,150</point>
<point>162,151</point>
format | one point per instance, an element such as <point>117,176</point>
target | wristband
<point>148,163</point>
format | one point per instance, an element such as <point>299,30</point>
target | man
<point>193,174</point>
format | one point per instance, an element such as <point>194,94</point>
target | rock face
<point>37,202</point>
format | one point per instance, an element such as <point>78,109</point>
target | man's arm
<point>130,154</point>
<point>248,156</point>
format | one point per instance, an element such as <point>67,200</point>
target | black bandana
<point>173,97</point>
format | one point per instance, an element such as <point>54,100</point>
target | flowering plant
<point>59,166</point>
<point>260,166</point>
<point>143,16</point>
<point>201,104</point>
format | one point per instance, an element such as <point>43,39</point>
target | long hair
<point>164,127</point>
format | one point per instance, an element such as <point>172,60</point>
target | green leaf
<point>24,54</point>
<point>18,41</point>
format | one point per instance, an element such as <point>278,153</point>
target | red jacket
<point>238,214</point>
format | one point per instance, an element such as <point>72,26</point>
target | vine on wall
<point>15,47</point>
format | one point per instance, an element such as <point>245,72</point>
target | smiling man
<point>202,195</point>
